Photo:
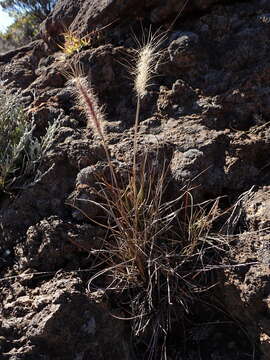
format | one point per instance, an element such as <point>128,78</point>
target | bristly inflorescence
<point>148,55</point>
<point>87,100</point>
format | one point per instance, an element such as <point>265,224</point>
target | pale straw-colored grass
<point>147,57</point>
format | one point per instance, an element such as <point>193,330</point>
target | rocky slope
<point>207,112</point>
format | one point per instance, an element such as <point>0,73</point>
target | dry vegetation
<point>159,250</point>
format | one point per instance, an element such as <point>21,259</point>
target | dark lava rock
<point>83,16</point>
<point>206,115</point>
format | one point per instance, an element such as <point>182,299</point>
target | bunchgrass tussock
<point>156,251</point>
<point>157,247</point>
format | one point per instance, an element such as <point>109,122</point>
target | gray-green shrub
<point>20,151</point>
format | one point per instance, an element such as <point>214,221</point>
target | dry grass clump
<point>157,253</point>
<point>158,247</point>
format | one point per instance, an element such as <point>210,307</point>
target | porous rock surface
<point>85,15</point>
<point>207,112</point>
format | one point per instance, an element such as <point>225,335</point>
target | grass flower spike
<point>147,57</point>
<point>145,62</point>
<point>148,54</point>
<point>87,100</point>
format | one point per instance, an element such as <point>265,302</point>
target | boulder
<point>84,16</point>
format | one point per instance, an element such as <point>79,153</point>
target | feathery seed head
<point>147,57</point>
<point>86,98</point>
<point>144,70</point>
